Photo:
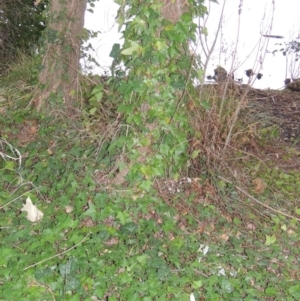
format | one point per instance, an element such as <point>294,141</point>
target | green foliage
<point>21,26</point>
<point>98,242</point>
<point>158,67</point>
<point>128,255</point>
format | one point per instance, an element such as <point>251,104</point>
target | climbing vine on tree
<point>158,66</point>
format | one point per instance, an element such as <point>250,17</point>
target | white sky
<point>277,17</point>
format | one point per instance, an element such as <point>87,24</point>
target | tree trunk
<point>58,79</point>
<point>173,9</point>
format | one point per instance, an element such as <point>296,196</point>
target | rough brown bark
<point>59,74</point>
<point>173,9</point>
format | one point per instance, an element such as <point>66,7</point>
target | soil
<point>280,107</point>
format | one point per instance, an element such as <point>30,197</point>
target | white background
<point>276,17</point>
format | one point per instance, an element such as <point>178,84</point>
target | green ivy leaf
<point>92,111</point>
<point>42,273</point>
<point>271,291</point>
<point>129,228</point>
<point>115,52</point>
<point>197,284</point>
<point>69,268</point>
<point>226,286</point>
<point>142,259</point>
<point>10,165</point>
<point>124,217</point>
<point>72,284</point>
<point>91,212</point>
<point>146,185</point>
<point>295,291</point>
<point>5,255</point>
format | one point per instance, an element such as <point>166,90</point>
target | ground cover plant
<point>152,190</point>
<point>98,243</point>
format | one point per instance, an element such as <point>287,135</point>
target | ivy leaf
<point>92,111</point>
<point>134,47</point>
<point>115,52</point>
<point>142,259</point>
<point>271,291</point>
<point>97,89</point>
<point>186,17</point>
<point>129,228</point>
<point>195,154</point>
<point>146,185</point>
<point>124,217</point>
<point>197,284</point>
<point>72,284</point>
<point>270,240</point>
<point>204,31</point>
<point>295,291</point>
<point>69,268</point>
<point>10,165</point>
<point>226,286</point>
<point>91,212</point>
<point>42,273</point>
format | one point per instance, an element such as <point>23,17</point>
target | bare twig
<point>61,253</point>
<point>24,194</point>
<point>259,202</point>
<point>13,150</point>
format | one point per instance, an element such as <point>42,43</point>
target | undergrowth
<point>95,242</point>
<point>208,214</point>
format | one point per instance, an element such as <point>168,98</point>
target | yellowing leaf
<point>197,284</point>
<point>33,214</point>
<point>283,227</point>
<point>195,154</point>
<point>270,240</point>
<point>92,111</point>
<point>134,47</point>
<point>204,31</point>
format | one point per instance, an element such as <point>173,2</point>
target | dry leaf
<point>290,232</point>
<point>33,214</point>
<point>238,235</point>
<point>68,209</point>
<point>224,237</point>
<point>250,226</point>
<point>259,185</point>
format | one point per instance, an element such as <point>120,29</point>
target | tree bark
<point>173,9</point>
<point>58,79</point>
